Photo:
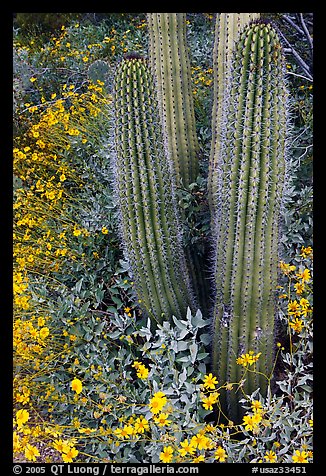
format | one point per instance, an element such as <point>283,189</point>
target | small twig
<point>304,26</point>
<point>300,76</point>
<point>301,62</point>
<point>298,137</point>
<point>306,149</point>
<point>294,25</point>
<point>102,312</point>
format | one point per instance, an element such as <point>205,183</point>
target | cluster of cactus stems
<point>228,26</point>
<point>250,175</point>
<point>157,149</point>
<point>145,190</point>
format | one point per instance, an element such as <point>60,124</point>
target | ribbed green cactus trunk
<point>145,193</point>
<point>169,57</point>
<point>228,27</point>
<point>170,63</point>
<point>250,177</point>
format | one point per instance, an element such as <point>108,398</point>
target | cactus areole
<point>250,177</point>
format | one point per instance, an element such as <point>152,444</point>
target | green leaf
<point>197,320</point>
<point>180,324</point>
<point>78,285</point>
<point>99,293</point>
<point>193,351</point>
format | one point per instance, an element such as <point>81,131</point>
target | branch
<point>294,25</point>
<point>298,58</point>
<point>299,76</point>
<point>304,26</point>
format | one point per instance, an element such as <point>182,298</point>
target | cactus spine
<point>145,195</point>
<point>250,176</point>
<point>228,27</point>
<point>171,67</point>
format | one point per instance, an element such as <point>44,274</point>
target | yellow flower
<point>50,194</point>
<point>220,454</point>
<point>210,381</point>
<point>22,417</point>
<point>142,371</point>
<point>304,303</point>
<point>105,231</point>
<point>126,431</point>
<point>162,419</point>
<point>40,143</point>
<point>32,79</point>
<point>76,232</point>
<point>167,454</point>
<point>199,459</point>
<point>296,325</point>
<point>251,421</point>
<point>294,308</point>
<point>76,385</point>
<point>41,321</point>
<point>299,288</point>
<point>210,400</point>
<point>305,252</point>
<point>157,402</point>
<point>68,456</point>
<point>201,441</point>
<point>24,397</point>
<point>31,452</point>
<point>44,332</point>
<point>270,457</point>
<point>304,275</point>
<point>256,406</point>
<point>300,457</point>
<point>86,431</point>
<point>248,359</point>
<point>141,424</point>
<point>256,418</point>
<point>16,442</point>
<point>62,446</point>
<point>287,268</point>
<point>186,447</point>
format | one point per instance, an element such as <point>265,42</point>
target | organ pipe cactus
<point>250,178</point>
<point>227,29</point>
<point>171,67</point>
<point>170,63</point>
<point>145,194</point>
